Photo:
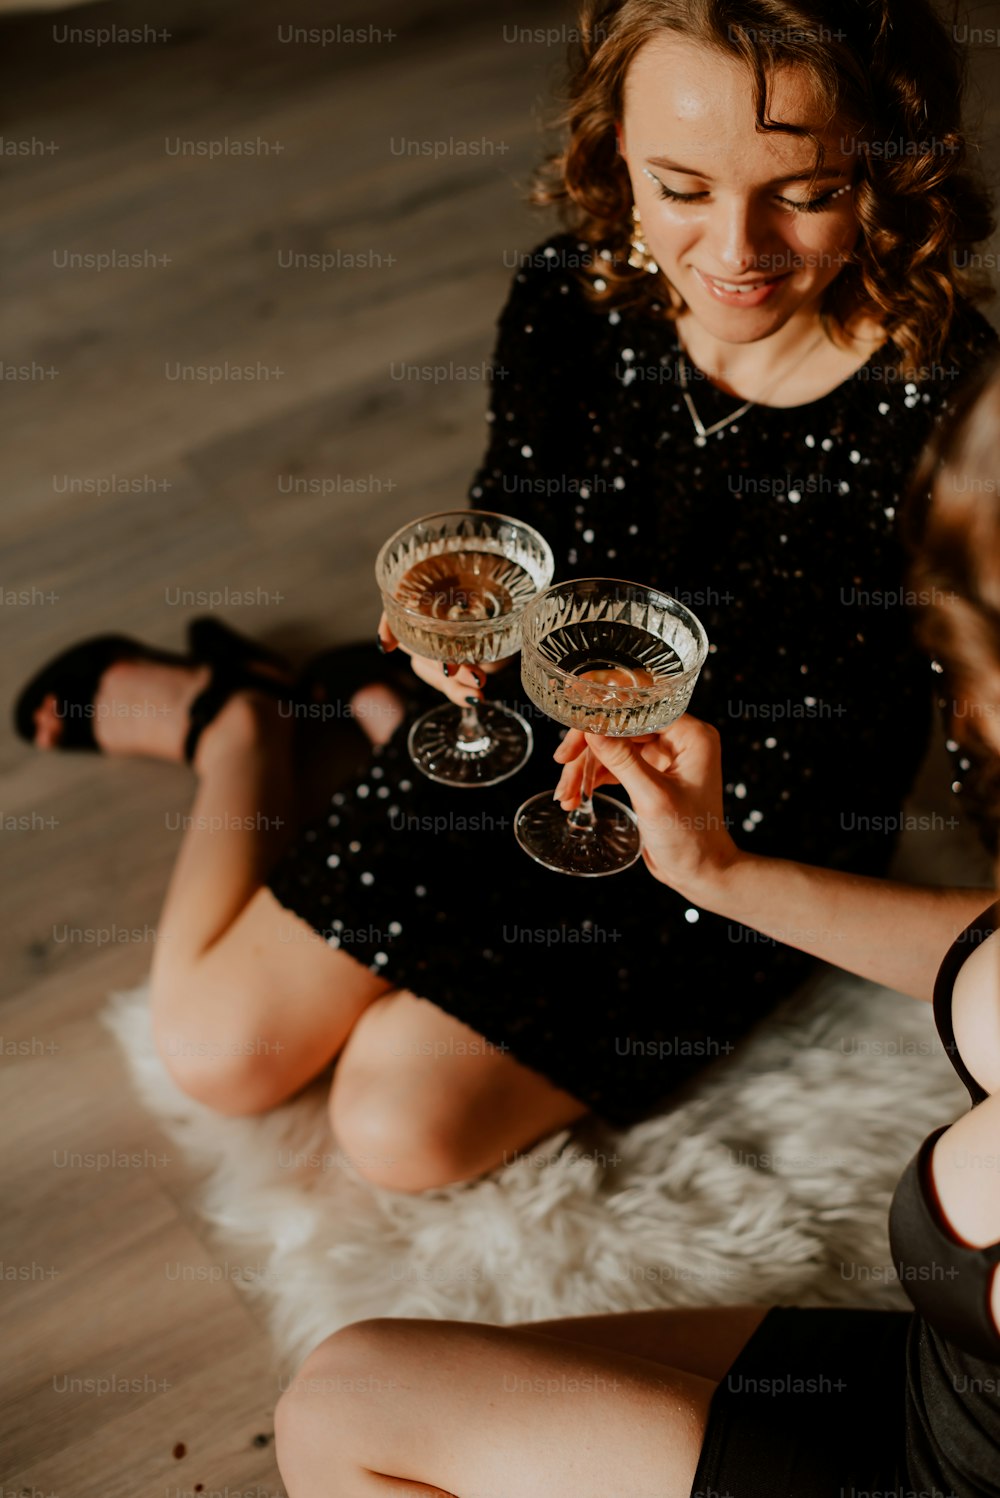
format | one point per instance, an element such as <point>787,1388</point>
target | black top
<point>782,535</point>
<point>953,1394</point>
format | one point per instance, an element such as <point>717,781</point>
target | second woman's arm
<point>894,934</point>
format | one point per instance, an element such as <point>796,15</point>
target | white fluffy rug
<point>769,1182</point>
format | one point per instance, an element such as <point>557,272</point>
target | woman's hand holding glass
<point>609,655</point>
<point>674,782</point>
<point>459,684</point>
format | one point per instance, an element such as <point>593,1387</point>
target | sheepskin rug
<point>768,1182</point>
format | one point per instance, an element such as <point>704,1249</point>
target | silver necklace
<point>703,432</point>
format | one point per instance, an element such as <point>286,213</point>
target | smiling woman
<point>715,383</point>
<point>749,242</point>
<point>725,407</point>
<point>739,1401</point>
<point>753,230</point>
<point>801,157</point>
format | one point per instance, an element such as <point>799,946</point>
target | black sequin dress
<point>781,533</point>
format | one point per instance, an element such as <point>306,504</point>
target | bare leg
<point>485,1412</point>
<point>420,1100</point>
<point>378,711</point>
<point>248,1001</point>
<point>700,1339</point>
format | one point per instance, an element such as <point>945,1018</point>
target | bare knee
<point>323,1405</point>
<point>234,1074</point>
<point>305,1394</point>
<point>394,1144</point>
<point>228,1081</point>
<point>378,711</point>
<point>340,1362</point>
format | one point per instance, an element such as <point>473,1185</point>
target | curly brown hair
<point>888,68</point>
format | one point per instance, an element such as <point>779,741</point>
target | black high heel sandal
<point>73,678</point>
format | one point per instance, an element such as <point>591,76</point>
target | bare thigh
<point>435,1102</point>
<point>487,1412</point>
<point>705,1340</point>
<point>261,1012</point>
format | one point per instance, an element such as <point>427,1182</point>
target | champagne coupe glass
<point>608,657</point>
<point>454,587</point>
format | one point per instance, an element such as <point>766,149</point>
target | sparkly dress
<point>781,533</point>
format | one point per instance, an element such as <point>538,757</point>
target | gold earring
<point>640,258</point>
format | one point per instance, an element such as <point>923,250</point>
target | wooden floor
<point>126,488</point>
<point>118,1344</point>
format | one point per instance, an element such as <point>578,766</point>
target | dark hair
<point>953,531</point>
<point>888,67</point>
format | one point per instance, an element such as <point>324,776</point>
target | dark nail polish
<point>472,701</point>
<point>446,668</point>
<point>378,642</point>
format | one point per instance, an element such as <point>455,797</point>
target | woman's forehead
<point>680,92</point>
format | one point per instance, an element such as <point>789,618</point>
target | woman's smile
<point>741,294</point>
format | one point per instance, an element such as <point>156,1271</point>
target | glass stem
<point>470,727</point>
<point>583,818</point>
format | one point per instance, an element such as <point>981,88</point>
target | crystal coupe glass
<point>608,657</point>
<point>455,586</point>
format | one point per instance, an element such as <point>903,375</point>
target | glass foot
<point>547,833</point>
<point>437,748</point>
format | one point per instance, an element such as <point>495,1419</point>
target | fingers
<point>575,743</point>
<point>571,782</point>
<point>692,738</point>
<point>386,639</point>
<point>458,684</point>
<point>659,755</point>
<point>572,754</point>
<point>570,747</point>
<point>567,791</point>
<point>614,754</point>
<point>688,744</point>
<point>471,677</point>
<point>689,750</point>
<point>674,782</point>
<point>626,762</point>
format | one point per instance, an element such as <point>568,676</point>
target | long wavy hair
<point>953,531</point>
<point>888,69</point>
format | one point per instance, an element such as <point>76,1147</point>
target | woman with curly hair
<point>746,1401</point>
<point>715,382</point>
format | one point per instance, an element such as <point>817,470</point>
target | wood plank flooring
<point>116,1351</point>
<point>125,487</point>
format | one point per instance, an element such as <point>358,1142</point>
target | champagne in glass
<point>608,657</point>
<point>455,586</point>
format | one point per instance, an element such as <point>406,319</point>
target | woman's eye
<point>810,205</point>
<point>679,197</point>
